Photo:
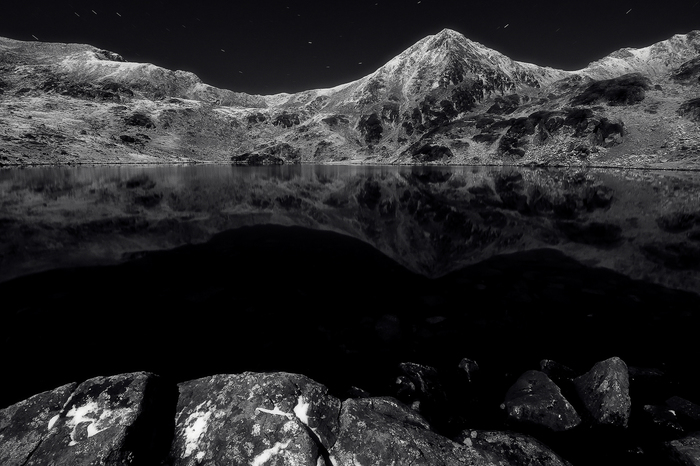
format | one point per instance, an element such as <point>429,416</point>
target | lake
<point>432,220</point>
<point>343,272</point>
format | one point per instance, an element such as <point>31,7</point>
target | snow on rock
<point>265,456</point>
<point>93,418</point>
<point>301,410</point>
<point>195,426</point>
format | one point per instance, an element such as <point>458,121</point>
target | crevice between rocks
<point>317,440</point>
<point>150,437</point>
<point>321,447</point>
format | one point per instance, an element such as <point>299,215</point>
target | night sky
<point>265,47</point>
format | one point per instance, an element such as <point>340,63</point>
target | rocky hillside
<point>445,100</point>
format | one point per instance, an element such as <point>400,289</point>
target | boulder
<point>688,72</point>
<point>427,396</point>
<point>254,418</point>
<point>663,421</point>
<point>122,419</point>
<point>604,391</point>
<point>687,411</point>
<point>470,368</point>
<point>424,378</point>
<point>511,449</point>
<point>534,399</point>
<point>25,425</point>
<point>685,451</point>
<point>383,431</point>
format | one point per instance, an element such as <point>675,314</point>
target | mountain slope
<point>656,60</point>
<point>445,100</point>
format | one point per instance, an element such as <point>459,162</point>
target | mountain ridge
<point>444,100</point>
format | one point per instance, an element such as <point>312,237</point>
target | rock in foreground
<point>509,448</point>
<point>25,425</point>
<point>535,399</point>
<point>250,418</point>
<point>604,391</point>
<point>253,419</point>
<point>104,420</point>
<point>383,431</point>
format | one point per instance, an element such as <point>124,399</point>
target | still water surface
<point>432,220</point>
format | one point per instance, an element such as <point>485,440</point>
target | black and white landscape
<point>458,259</point>
<point>445,100</point>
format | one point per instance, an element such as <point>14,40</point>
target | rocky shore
<point>280,418</point>
<point>525,358</point>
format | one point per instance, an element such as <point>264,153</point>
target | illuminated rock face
<point>250,418</point>
<point>76,103</point>
<point>122,419</point>
<point>255,419</point>
<point>281,418</point>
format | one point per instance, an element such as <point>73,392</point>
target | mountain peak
<point>446,34</point>
<point>449,40</point>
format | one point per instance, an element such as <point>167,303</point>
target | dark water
<point>342,273</point>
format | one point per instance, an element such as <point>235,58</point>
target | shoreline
<point>4,166</point>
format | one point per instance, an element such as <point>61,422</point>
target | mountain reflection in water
<point>432,220</point>
<point>343,273</point>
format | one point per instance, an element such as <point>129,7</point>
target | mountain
<point>445,100</point>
